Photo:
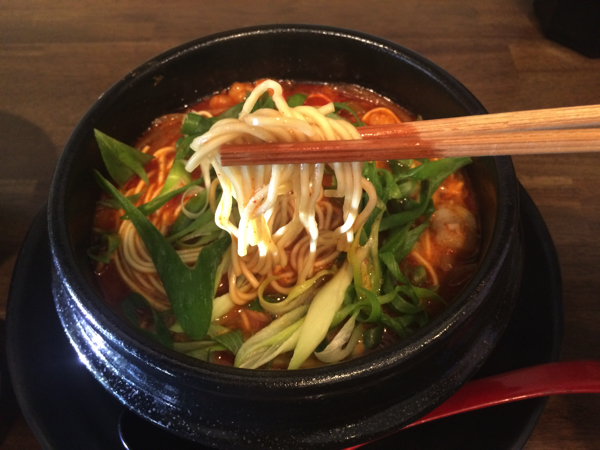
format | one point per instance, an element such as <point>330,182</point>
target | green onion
<point>190,290</point>
<point>204,222</point>
<point>112,203</point>
<point>372,336</point>
<point>185,347</point>
<point>121,160</point>
<point>204,354</point>
<point>435,171</point>
<point>374,306</point>
<point>161,200</point>
<point>296,100</point>
<point>264,102</point>
<point>279,336</point>
<point>298,295</point>
<point>194,206</point>
<point>343,106</point>
<point>221,306</point>
<point>419,275</point>
<point>364,260</point>
<point>135,302</point>
<point>320,314</point>
<point>342,344</point>
<point>232,340</point>
<point>176,176</point>
<point>109,244</point>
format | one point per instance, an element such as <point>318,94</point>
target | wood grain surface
<point>57,57</point>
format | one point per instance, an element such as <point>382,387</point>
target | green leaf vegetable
<point>296,100</point>
<point>344,107</point>
<point>134,303</point>
<point>195,125</point>
<point>231,340</point>
<point>158,202</point>
<point>190,289</point>
<point>122,161</point>
<point>320,314</point>
<point>109,243</point>
<point>366,295</point>
<point>279,336</point>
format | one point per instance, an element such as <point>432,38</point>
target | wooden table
<point>56,58</point>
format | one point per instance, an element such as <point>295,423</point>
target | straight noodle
<point>315,269</point>
<point>257,188</point>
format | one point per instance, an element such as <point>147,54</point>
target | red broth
<point>443,259</point>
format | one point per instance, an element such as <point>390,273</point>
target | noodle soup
<point>280,266</point>
<point>333,406</point>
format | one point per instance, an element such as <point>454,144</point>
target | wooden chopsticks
<point>558,130</point>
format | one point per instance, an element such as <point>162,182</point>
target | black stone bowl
<point>328,407</point>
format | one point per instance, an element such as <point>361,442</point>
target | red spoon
<point>568,377</point>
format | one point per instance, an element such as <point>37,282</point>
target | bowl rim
<point>115,330</point>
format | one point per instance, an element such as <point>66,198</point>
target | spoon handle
<point>566,377</point>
